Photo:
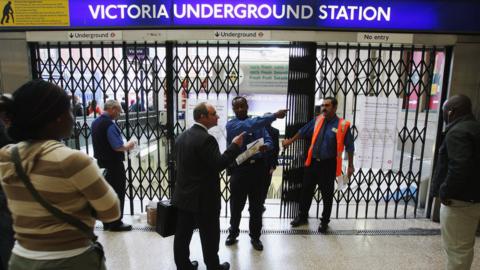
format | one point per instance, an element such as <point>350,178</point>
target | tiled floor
<point>352,244</point>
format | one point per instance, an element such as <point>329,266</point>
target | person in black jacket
<point>197,189</point>
<point>457,183</point>
<point>6,231</point>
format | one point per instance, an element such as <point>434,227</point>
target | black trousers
<point>6,233</point>
<point>268,181</point>
<point>209,227</point>
<point>321,173</point>
<point>115,175</point>
<point>247,181</point>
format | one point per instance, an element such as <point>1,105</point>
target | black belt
<point>249,162</point>
<point>322,160</point>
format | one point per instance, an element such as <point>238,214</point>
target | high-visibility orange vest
<point>342,128</point>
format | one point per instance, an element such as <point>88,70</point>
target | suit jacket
<point>272,154</point>
<point>199,162</point>
<point>456,171</point>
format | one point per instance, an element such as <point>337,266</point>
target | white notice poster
<point>377,131</point>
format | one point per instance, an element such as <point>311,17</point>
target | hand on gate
<point>286,143</point>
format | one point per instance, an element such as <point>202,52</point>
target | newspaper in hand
<point>252,149</point>
<point>135,151</point>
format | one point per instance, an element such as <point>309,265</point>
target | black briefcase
<point>166,218</point>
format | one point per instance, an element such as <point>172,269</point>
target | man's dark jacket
<point>456,174</point>
<point>198,163</point>
<point>272,155</point>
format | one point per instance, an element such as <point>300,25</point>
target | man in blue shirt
<point>247,179</point>
<point>108,149</point>
<point>322,165</point>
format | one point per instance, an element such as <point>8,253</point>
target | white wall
<point>465,75</point>
<point>15,67</point>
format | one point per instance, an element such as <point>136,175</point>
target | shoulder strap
<point>53,210</point>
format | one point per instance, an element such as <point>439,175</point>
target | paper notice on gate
<point>342,181</point>
<point>252,149</point>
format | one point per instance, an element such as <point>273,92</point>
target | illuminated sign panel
<point>386,15</point>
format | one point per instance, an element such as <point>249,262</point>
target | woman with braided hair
<point>39,115</point>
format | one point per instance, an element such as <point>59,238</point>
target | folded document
<point>252,149</point>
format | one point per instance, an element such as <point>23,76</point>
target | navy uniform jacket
<point>254,128</point>
<point>328,147</point>
<point>198,163</point>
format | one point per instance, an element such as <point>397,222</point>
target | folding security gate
<point>160,80</point>
<point>97,72</point>
<point>204,72</point>
<point>157,78</point>
<point>391,95</point>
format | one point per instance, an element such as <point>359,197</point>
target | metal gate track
<point>387,232</point>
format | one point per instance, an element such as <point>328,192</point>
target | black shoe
<point>299,220</point>
<point>121,228</point>
<point>231,240</point>
<point>257,244</point>
<point>224,266</point>
<point>323,228</point>
<point>195,265</point>
<point>106,227</point>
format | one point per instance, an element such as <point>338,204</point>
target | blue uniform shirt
<point>254,128</point>
<point>328,147</point>
<point>113,135</point>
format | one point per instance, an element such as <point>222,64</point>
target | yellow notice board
<point>34,13</point>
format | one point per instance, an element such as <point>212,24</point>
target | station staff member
<point>248,178</point>
<point>324,159</point>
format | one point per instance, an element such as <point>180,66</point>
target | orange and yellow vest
<point>343,126</point>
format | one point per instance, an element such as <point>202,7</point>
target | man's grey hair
<point>111,103</point>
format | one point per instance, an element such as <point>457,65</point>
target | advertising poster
<point>263,77</point>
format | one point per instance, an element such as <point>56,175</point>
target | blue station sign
<point>438,16</point>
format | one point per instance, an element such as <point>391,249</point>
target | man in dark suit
<point>271,157</point>
<point>197,190</point>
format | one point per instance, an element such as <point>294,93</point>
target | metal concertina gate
<point>160,78</point>
<point>399,81</point>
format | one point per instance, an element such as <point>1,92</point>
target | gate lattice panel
<point>205,72</point>
<point>98,72</point>
<point>400,76</point>
<point>145,73</point>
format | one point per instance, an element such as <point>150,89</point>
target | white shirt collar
<point>197,123</point>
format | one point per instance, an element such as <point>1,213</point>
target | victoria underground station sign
<point>439,16</point>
